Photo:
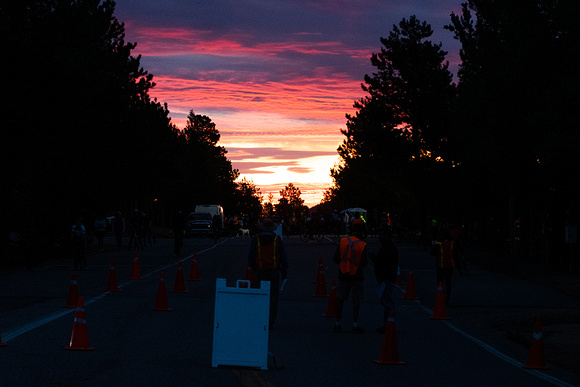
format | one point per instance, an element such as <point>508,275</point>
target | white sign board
<point>240,334</point>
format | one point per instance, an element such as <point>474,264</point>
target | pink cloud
<point>182,41</point>
<point>315,100</point>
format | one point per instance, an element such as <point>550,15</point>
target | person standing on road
<point>267,256</point>
<point>119,228</point>
<point>179,224</point>
<point>336,222</point>
<point>444,250</point>
<point>135,231</point>
<point>386,265</point>
<point>457,238</point>
<point>100,226</point>
<point>351,256</point>
<point>78,241</point>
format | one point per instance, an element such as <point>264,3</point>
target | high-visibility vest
<point>351,249</point>
<point>268,254</point>
<point>445,254</point>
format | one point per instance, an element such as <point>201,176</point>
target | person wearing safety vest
<point>444,250</point>
<point>267,257</point>
<point>351,257</point>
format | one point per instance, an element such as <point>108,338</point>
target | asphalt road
<point>134,345</point>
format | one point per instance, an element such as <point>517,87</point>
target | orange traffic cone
<point>439,310</point>
<point>194,272</point>
<point>179,286</point>
<point>390,350</point>
<point>320,281</point>
<point>161,300</point>
<point>398,278</point>
<point>73,292</point>
<point>331,308</point>
<point>112,285</point>
<point>135,272</point>
<point>537,358</point>
<point>79,339</point>
<point>410,289</point>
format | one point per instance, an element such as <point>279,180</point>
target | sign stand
<point>240,334</point>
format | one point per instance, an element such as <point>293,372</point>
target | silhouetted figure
<point>444,249</point>
<point>457,238</point>
<point>147,233</point>
<point>135,231</point>
<point>386,266</point>
<point>267,256</point>
<point>119,228</point>
<point>100,226</point>
<point>78,242</point>
<point>179,223</point>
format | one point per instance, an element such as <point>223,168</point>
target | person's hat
<point>267,225</point>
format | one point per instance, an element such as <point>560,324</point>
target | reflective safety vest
<point>445,254</point>
<point>268,254</point>
<point>351,250</point>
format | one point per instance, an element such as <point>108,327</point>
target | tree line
<point>82,136</point>
<point>496,151</point>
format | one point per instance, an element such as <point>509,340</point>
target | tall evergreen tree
<point>514,114</point>
<point>401,127</point>
<point>80,133</point>
<point>212,174</point>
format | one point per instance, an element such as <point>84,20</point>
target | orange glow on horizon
<point>298,113</point>
<point>294,116</point>
<point>276,78</point>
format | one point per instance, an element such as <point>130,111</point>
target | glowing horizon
<point>258,116</point>
<point>277,78</point>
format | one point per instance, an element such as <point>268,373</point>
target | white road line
<point>15,332</point>
<point>496,353</point>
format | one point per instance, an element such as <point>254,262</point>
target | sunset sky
<point>276,77</point>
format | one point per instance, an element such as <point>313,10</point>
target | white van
<point>212,209</point>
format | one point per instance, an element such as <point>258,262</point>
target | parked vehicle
<point>199,224</point>
<point>214,210</point>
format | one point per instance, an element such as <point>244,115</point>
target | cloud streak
<point>276,77</point>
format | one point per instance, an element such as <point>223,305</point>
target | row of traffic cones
<point>439,312</point>
<point>193,273</point>
<point>79,338</point>
<point>112,284</point>
<point>389,351</point>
